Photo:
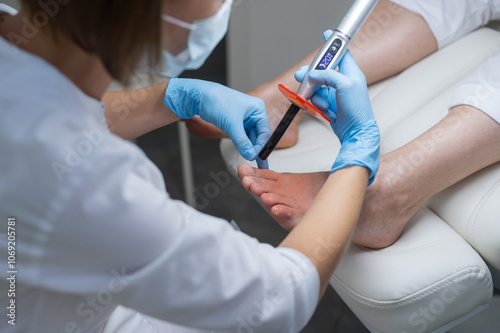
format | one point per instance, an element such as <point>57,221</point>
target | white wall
<point>12,3</point>
<point>267,37</point>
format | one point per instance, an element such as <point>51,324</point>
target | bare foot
<point>276,106</point>
<point>386,210</point>
<point>204,129</point>
<point>287,196</point>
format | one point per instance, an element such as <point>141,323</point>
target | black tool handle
<point>279,132</point>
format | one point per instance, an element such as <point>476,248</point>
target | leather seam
<point>415,249</point>
<point>418,295</point>
<point>473,217</point>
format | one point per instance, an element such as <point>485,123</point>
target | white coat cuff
<point>482,90</point>
<point>451,19</point>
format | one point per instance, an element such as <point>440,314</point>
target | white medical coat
<point>95,227</point>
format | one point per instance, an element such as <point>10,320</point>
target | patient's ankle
<point>389,205</point>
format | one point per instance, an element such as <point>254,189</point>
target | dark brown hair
<point>120,32</point>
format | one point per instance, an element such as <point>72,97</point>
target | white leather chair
<point>439,273</point>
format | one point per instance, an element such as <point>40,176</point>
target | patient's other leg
<point>468,142</point>
<point>391,40</point>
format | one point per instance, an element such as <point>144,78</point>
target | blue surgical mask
<point>204,36</point>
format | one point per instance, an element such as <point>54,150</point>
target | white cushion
<point>429,278</point>
<point>432,267</point>
<point>472,208</point>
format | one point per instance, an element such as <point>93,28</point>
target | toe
<point>287,217</point>
<point>245,170</point>
<point>271,199</point>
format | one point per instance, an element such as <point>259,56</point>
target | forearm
<point>326,228</point>
<point>132,113</point>
<point>465,141</point>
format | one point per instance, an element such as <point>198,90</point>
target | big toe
<point>246,174</point>
<point>245,170</point>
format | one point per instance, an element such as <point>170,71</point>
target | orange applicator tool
<point>302,103</point>
<point>297,104</point>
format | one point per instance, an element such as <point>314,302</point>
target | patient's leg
<point>465,141</point>
<point>391,40</point>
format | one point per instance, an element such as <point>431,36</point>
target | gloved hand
<point>241,116</point>
<point>345,101</point>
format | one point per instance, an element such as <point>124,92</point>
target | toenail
<point>247,179</point>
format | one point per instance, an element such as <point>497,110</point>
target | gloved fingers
<point>330,111</point>
<point>251,135</point>
<point>327,34</point>
<point>259,131</point>
<point>329,78</point>
<point>324,99</point>
<point>301,73</point>
<point>349,73</point>
<point>338,81</point>
<point>242,142</point>
<point>262,138</point>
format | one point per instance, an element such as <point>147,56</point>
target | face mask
<point>204,36</point>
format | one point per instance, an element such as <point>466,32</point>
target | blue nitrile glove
<point>241,116</point>
<point>345,101</point>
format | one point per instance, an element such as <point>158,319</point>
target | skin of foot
<point>399,189</point>
<point>287,196</point>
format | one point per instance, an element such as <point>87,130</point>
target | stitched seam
<point>415,249</point>
<point>416,296</point>
<point>149,322</point>
<point>473,218</point>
